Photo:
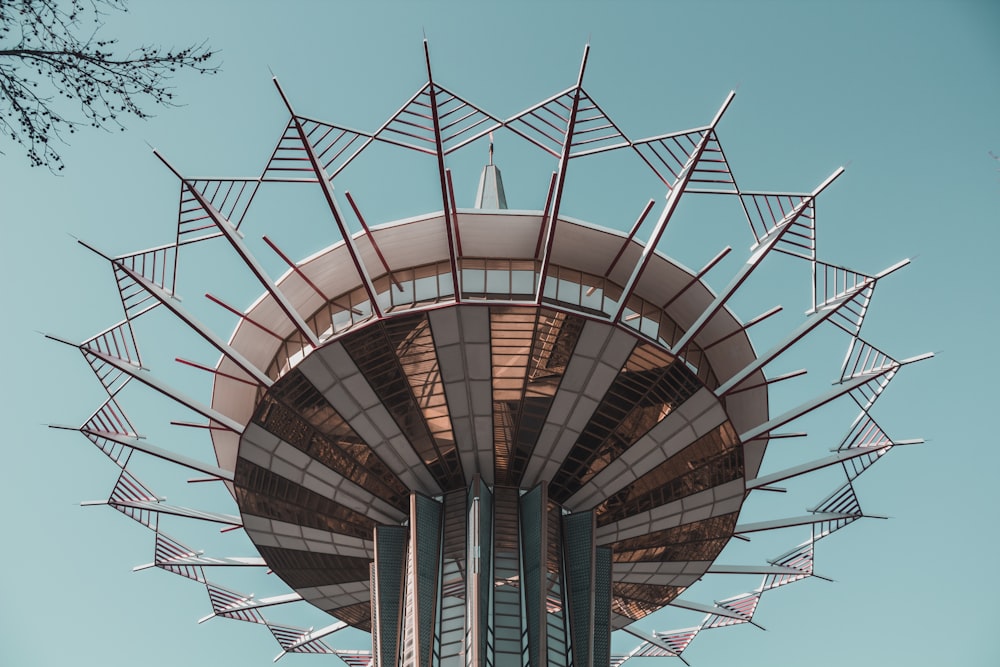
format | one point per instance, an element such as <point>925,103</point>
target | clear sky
<point>907,93</point>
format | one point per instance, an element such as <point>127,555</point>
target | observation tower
<point>490,436</point>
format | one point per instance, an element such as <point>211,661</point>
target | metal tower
<point>489,436</point>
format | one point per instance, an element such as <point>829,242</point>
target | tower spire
<point>490,194</point>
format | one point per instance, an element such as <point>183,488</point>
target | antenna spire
<point>490,194</point>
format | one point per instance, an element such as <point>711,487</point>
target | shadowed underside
<point>548,419</point>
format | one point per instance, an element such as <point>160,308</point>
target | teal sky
<point>906,93</point>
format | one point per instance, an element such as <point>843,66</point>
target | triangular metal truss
<point>570,122</point>
<point>668,155</point>
<point>227,603</point>
<point>116,342</point>
<point>355,658</point>
<point>742,606</point>
<point>832,282</point>
<point>850,313</point>
<point>436,121</point>
<point>845,498</point>
<point>131,497</point>
<point>300,640</point>
<point>678,640</point>
<point>800,558</point>
<point>110,420</point>
<point>157,265</point>
<point>335,147</point>
<point>230,604</point>
<point>175,557</point>
<point>134,499</point>
<point>864,433</point>
<point>230,196</point>
<point>865,360</point>
<point>766,211</point>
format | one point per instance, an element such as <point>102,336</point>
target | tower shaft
<point>490,576</point>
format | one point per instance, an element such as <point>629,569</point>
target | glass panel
<point>530,350</point>
<point>648,388</point>
<point>402,296</point>
<point>296,412</point>
<point>446,286</point>
<point>593,293</point>
<point>498,283</point>
<point>485,278</point>
<point>341,319</point>
<point>473,276</point>
<point>711,460</point>
<point>637,600</point>
<point>551,285</point>
<point>569,286</point>
<point>397,357</point>
<point>522,278</point>
<point>358,615</point>
<point>261,492</point>
<point>307,569</point>
<point>697,541</point>
<point>426,289</point>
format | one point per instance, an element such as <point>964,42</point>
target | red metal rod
<point>769,381</point>
<point>304,277</point>
<point>454,209</point>
<point>756,320</point>
<point>698,276</point>
<point>331,202</point>
<point>545,214</point>
<point>551,219</point>
<point>371,239</point>
<point>215,371</point>
<point>294,267</point>
<point>449,222</point>
<point>208,427</point>
<point>241,315</point>
<point>631,235</point>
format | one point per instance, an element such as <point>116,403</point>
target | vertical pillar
<point>557,641</point>
<point>480,578</point>
<point>422,582</point>
<point>506,637</point>
<point>578,537</point>
<point>451,629</point>
<point>387,594</point>
<point>602,607</point>
<point>491,578</point>
<point>535,579</point>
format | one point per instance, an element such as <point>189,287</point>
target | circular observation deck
<point>440,392</point>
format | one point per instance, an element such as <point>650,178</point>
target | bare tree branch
<point>48,62</point>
